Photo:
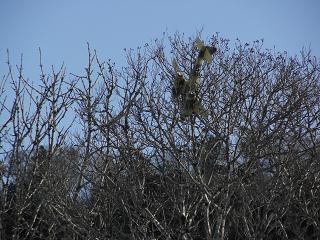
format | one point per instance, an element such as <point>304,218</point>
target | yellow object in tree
<point>205,52</point>
<point>189,89</point>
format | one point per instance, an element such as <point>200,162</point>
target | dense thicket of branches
<point>105,154</point>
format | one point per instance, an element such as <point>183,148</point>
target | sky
<point>61,28</point>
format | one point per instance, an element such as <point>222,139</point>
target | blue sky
<point>62,27</point>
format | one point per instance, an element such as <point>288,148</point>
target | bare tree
<point>113,153</point>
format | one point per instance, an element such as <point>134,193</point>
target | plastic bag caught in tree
<point>205,52</point>
<point>179,83</point>
<point>191,106</point>
<point>189,89</point>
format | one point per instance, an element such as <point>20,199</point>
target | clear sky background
<point>62,27</point>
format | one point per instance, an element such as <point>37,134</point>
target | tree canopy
<point>188,140</point>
